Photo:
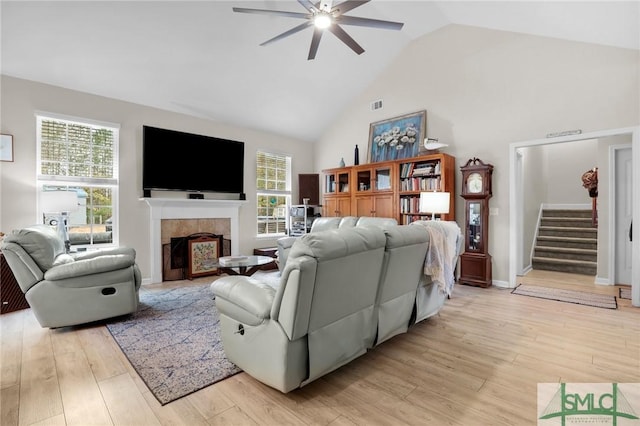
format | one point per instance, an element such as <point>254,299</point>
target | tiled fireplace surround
<point>174,217</point>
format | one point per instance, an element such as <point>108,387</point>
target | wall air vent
<point>375,105</point>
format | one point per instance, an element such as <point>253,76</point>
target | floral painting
<point>397,138</point>
<point>203,256</point>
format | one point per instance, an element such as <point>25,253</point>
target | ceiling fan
<point>324,16</point>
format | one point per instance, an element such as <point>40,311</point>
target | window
<point>273,173</point>
<point>81,157</point>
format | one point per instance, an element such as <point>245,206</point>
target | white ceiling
<point>201,58</point>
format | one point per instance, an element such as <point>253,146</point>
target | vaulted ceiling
<point>202,59</point>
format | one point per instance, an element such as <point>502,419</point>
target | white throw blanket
<point>440,260</point>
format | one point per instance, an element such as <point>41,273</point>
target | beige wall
<point>534,194</point>
<point>565,164</point>
<point>484,89</point>
<point>21,99</point>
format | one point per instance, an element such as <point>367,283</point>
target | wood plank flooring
<point>478,362</point>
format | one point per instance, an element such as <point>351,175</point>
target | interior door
<point>623,215</point>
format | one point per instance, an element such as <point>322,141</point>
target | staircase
<point>566,242</point>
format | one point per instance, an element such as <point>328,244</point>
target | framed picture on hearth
<point>204,253</point>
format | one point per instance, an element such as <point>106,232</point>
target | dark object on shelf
<point>12,296</point>
<point>356,156</point>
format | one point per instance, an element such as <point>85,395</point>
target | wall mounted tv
<point>179,161</point>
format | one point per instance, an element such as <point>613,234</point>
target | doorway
<point>516,207</point>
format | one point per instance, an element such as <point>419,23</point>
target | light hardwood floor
<point>478,362</point>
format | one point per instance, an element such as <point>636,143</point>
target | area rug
<point>173,341</point>
<point>569,296</point>
<point>625,293</point>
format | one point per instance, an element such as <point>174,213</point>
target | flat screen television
<point>179,161</point>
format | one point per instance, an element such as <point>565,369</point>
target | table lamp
<point>60,203</point>
<point>434,202</point>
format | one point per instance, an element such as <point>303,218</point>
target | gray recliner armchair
<point>69,289</point>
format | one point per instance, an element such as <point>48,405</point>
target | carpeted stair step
<point>565,265</point>
<point>567,242</point>
<point>566,253</point>
<point>584,213</point>
<point>571,222</point>
<point>565,231</point>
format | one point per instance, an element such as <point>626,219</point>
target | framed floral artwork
<point>397,138</point>
<point>204,253</point>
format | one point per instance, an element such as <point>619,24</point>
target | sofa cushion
<point>41,242</point>
<point>325,223</point>
<point>382,222</point>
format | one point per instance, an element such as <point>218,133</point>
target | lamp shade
<point>434,202</point>
<point>58,201</point>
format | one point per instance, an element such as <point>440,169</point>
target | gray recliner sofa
<point>69,289</point>
<point>342,292</point>
<point>320,317</point>
<point>331,222</point>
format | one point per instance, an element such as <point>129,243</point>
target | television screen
<point>179,161</point>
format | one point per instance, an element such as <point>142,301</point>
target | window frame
<point>274,192</point>
<point>62,182</point>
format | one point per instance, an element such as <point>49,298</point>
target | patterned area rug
<point>173,341</point>
<point>570,296</point>
<point>625,293</point>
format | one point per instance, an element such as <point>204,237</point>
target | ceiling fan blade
<point>308,5</point>
<point>288,33</point>
<point>273,12</point>
<point>366,22</point>
<point>346,6</point>
<point>346,38</point>
<point>315,42</point>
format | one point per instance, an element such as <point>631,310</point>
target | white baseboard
<point>602,281</point>
<point>501,284</point>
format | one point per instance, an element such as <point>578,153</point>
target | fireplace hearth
<point>176,255</point>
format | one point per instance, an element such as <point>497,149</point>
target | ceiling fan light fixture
<point>322,20</point>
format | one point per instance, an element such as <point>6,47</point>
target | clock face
<point>474,183</point>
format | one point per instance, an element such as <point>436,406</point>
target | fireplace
<point>214,216</point>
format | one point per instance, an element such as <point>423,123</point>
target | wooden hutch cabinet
<point>336,192</point>
<point>374,193</point>
<point>388,188</point>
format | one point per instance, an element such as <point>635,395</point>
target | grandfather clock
<point>475,262</point>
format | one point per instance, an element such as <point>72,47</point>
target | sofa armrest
<point>284,244</point>
<point>244,299</point>
<point>92,266</point>
<point>104,252</point>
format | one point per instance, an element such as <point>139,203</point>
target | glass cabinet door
<point>383,178</point>
<point>474,232</point>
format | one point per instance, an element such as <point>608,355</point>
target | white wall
<point>21,99</point>
<point>484,89</point>
<point>565,165</point>
<point>534,194</point>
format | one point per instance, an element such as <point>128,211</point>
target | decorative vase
<point>342,162</point>
<point>356,156</point>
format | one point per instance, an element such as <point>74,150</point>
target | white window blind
<point>273,185</point>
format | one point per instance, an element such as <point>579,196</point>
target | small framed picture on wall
<point>6,147</point>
